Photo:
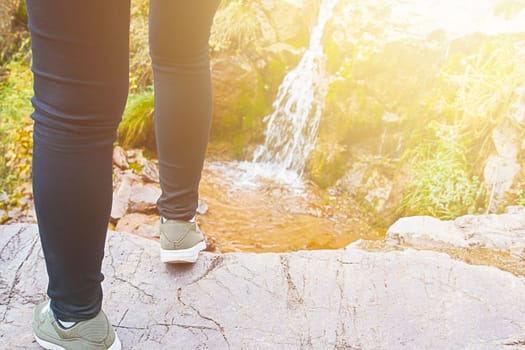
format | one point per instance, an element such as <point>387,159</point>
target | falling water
<point>292,127</point>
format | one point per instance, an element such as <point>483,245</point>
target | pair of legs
<point>80,66</point>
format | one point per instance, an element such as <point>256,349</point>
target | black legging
<point>80,65</point>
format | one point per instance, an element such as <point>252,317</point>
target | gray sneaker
<point>180,241</point>
<point>96,333</point>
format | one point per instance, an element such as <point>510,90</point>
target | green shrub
<point>137,127</point>
<point>441,183</point>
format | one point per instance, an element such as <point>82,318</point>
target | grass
<point>141,75</point>
<point>442,184</point>
<point>236,27</point>
<point>447,157</point>
<point>137,127</point>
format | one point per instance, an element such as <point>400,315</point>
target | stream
<point>267,206</point>
<point>247,214</point>
<point>263,215</point>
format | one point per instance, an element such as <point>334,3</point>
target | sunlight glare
<point>457,18</point>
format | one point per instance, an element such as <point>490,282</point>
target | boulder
<point>119,158</point>
<point>491,231</point>
<point>121,197</point>
<point>371,183</point>
<point>143,198</point>
<point>340,299</point>
<point>501,168</point>
<point>150,171</point>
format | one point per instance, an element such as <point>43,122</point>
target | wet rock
<point>369,182</point>
<point>351,182</point>
<point>119,158</point>
<point>341,299</point>
<point>139,224</point>
<point>500,232</point>
<point>143,198</point>
<point>281,52</point>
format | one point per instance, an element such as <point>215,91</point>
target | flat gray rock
<point>504,232</point>
<point>345,299</point>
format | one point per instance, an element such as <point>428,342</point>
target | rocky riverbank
<point>428,284</point>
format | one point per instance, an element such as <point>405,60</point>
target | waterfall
<point>292,126</point>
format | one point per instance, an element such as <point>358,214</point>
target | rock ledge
<point>344,299</point>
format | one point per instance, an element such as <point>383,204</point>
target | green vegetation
<point>16,90</point>
<point>137,129</point>
<point>431,106</point>
<point>236,27</point>
<point>327,164</point>
<point>441,182</point>
<point>426,107</point>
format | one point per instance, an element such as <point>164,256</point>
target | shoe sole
<point>50,346</point>
<point>181,256</point>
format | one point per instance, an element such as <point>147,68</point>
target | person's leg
<point>179,34</point>
<point>80,66</point>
